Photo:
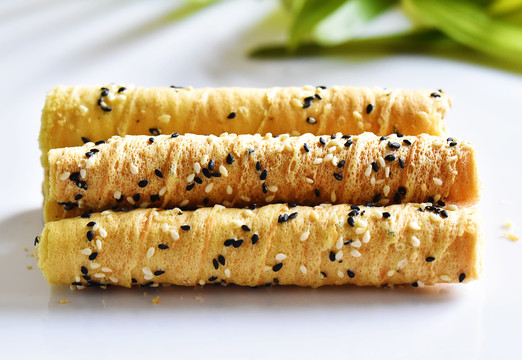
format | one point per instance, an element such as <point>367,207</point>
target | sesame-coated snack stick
<point>237,170</point>
<point>416,244</point>
<point>74,114</point>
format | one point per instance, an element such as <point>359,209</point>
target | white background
<point>47,43</point>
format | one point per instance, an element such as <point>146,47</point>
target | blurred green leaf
<point>343,23</point>
<point>502,7</point>
<point>306,15</point>
<point>468,24</point>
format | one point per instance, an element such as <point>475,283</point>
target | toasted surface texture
<point>97,113</point>
<point>237,170</point>
<point>275,244</point>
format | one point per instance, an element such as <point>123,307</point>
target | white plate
<point>45,43</point>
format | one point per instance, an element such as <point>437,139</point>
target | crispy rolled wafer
<point>276,244</point>
<point>76,112</point>
<point>238,170</point>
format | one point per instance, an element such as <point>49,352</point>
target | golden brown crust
<point>398,244</point>
<point>71,113</point>
<point>183,171</point>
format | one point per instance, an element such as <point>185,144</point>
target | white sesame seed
<point>437,143</point>
<point>415,241</point>
<point>96,227</point>
<point>355,253</point>
<point>103,232</point>
<point>386,190</point>
<point>174,234</point>
<point>65,175</point>
<point>313,216</point>
<point>164,118</point>
<point>223,171</point>
<point>227,273</point>
<point>143,205</point>
<point>229,190</point>
<point>235,223</point>
<point>162,191</point>
<point>87,251</point>
<point>303,269</point>
<point>339,243</point>
<point>435,218</point>
<point>184,203</point>
<point>219,207</point>
<point>317,161</point>
<point>356,244</point>
<point>310,181</point>
<point>387,171</point>
<point>335,161</point>
<point>89,163</point>
<point>77,278</point>
<point>437,181</point>
<point>99,275</point>
<point>391,272</point>
<point>304,236</point>
<point>368,171</point>
<point>106,269</point>
<point>201,282</point>
<point>424,188</point>
<point>357,115</point>
<point>83,109</point>
<point>339,255</point>
<point>453,158</point>
<point>150,252</point>
<point>248,212</point>
<point>191,177</point>
<point>372,181</point>
<point>381,161</point>
<point>146,270</point>
<point>133,169</point>
<point>95,265</point>
<point>98,244</point>
<point>414,226</point>
<point>148,277</point>
<point>361,223</point>
<point>379,182</point>
<point>83,174</point>
<point>113,279</point>
<point>245,198</point>
<point>452,207</point>
<point>197,167</point>
<point>227,203</point>
<point>366,237</point>
<point>399,246</point>
<point>328,157</point>
<point>280,257</point>
<point>296,103</point>
<point>272,188</point>
<point>131,200</point>
<point>445,278</point>
<point>437,197</point>
<point>117,194</point>
<point>402,263</point>
<point>331,148</point>
<point>359,231</point>
<point>340,274</point>
<point>165,227</point>
<point>333,197</point>
<point>420,284</point>
<point>267,268</point>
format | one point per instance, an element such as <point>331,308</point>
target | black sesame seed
<point>215,263</point>
<point>348,143</point>
<point>154,131</point>
<point>68,205</point>
<point>401,163</point>
<point>462,277</point>
<point>163,247</point>
<point>215,174</point>
<point>106,108</point>
<point>221,260</point>
<point>350,273</point>
<point>292,216</point>
<point>406,141</point>
<point>324,274</point>
<point>376,198</point>
<point>351,221</point>
<point>185,227</point>
<point>332,256</point>
<point>322,141</point>
<point>453,143</point>
<point>154,198</point>
<point>159,272</point>
<point>86,277</point>
<point>93,256</point>
<point>85,140</point>
<point>430,259</point>
<point>88,154</point>
<point>174,135</point>
<point>375,167</point>
<point>263,174</point>
<point>397,197</point>
<point>402,190</point>
<point>252,206</point>
<point>231,115</point>
<point>390,157</point>
<point>143,183</point>
<point>415,284</point>
<point>258,166</point>
<point>36,240</point>
<point>308,98</point>
<point>276,281</point>
<point>245,228</point>
<point>311,120</point>
<point>318,97</point>
<point>206,173</point>
<point>230,159</point>
<point>386,215</point>
<point>151,140</point>
<point>317,193</point>
<point>190,186</point>
<point>341,163</point>
<point>449,139</point>
<point>382,138</point>
<point>444,213</point>
<point>86,214</point>
<point>198,180</point>
<point>369,108</point>
<point>229,242</point>
<point>136,197</point>
<point>212,278</point>
<point>307,104</point>
<point>74,176</point>
<point>338,176</point>
<point>134,281</point>
<point>255,238</point>
<point>264,188</point>
<point>237,243</point>
<point>90,235</point>
<point>104,91</point>
<point>147,284</point>
<point>399,135</point>
<point>122,89</point>
<point>435,95</point>
<point>393,145</point>
<point>441,203</point>
<point>94,150</point>
<point>158,173</point>
<point>78,197</point>
<point>84,270</point>
<point>306,148</point>
<point>277,267</point>
<point>353,213</point>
